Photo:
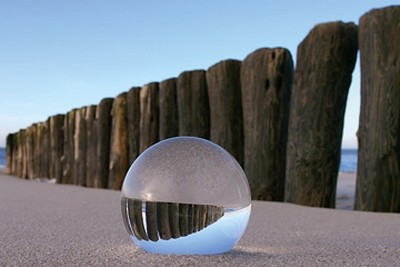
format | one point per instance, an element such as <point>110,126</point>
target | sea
<point>3,161</point>
<point>348,161</point>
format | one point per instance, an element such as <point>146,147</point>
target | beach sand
<point>46,224</point>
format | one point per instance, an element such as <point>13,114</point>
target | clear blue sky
<point>56,55</point>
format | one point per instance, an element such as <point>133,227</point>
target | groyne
<point>283,125</point>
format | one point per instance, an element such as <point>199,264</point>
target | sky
<point>56,55</point>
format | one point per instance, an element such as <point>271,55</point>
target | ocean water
<point>348,161</point>
<point>347,164</point>
<point>2,157</point>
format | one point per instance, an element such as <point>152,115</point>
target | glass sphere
<point>185,195</point>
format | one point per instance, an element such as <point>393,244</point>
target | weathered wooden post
<point>80,138</point>
<point>193,106</point>
<point>169,120</point>
<point>40,150</point>
<point>119,151</point>
<point>23,172</point>
<point>91,145</point>
<point>10,151</point>
<point>35,167</point>
<point>56,143</point>
<point>133,109</point>
<point>30,146</point>
<point>325,62</point>
<point>20,147</point>
<point>378,172</point>
<point>149,116</point>
<point>103,118</point>
<point>15,150</point>
<point>68,147</point>
<point>266,80</point>
<point>15,153</point>
<point>225,98</point>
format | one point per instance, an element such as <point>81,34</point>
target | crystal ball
<point>185,195</point>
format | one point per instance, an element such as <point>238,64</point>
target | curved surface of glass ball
<point>185,195</point>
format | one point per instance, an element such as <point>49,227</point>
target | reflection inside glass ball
<point>185,195</point>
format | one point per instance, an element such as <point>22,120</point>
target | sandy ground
<point>44,224</point>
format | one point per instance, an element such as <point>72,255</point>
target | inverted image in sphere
<point>185,195</point>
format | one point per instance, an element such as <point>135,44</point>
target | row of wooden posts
<point>284,126</point>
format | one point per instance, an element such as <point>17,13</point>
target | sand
<point>45,224</point>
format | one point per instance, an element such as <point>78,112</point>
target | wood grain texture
<point>266,80</point>
<point>91,140</point>
<point>103,118</point>
<point>149,115</point>
<point>80,139</point>
<point>15,153</point>
<point>225,98</point>
<point>378,172</point>
<point>68,151</point>
<point>169,117</point>
<point>193,105</point>
<point>9,153</point>
<point>35,167</point>
<point>119,152</point>
<point>325,62</point>
<point>44,165</point>
<point>133,109</point>
<point>57,146</point>
<point>29,151</point>
<point>22,152</point>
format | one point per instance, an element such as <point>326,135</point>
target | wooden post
<point>56,143</point>
<point>103,118</point>
<point>80,138</point>
<point>18,154</point>
<point>10,151</point>
<point>378,172</point>
<point>325,62</point>
<point>266,80</point>
<point>38,150</point>
<point>133,109</point>
<point>30,146</point>
<point>91,145</point>
<point>23,135</point>
<point>41,149</point>
<point>69,148</point>
<point>17,165</point>
<point>193,106</point>
<point>35,166</point>
<point>225,98</point>
<point>26,159</point>
<point>149,116</point>
<point>119,152</point>
<point>13,151</point>
<point>169,120</point>
<point>46,148</point>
